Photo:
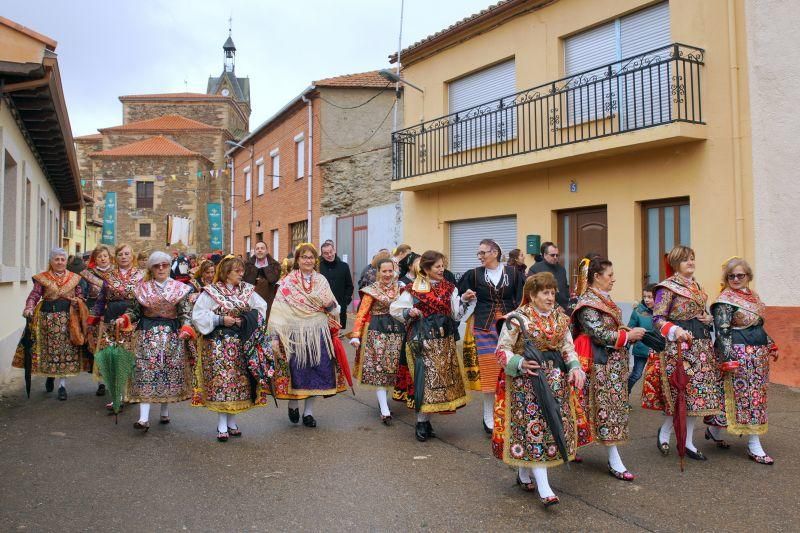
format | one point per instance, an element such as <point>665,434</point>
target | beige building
<point>39,176</point>
<point>619,127</point>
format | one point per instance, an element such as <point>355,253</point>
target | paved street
<point>66,466</point>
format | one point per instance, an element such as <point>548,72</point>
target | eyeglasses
<point>737,277</point>
<point>481,253</point>
<point>307,257</point>
<point>161,265</point>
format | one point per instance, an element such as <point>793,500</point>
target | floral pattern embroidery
<point>161,373</point>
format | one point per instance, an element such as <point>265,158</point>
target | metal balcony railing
<point>658,87</point>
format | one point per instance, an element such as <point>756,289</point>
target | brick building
<point>318,169</point>
<point>167,159</point>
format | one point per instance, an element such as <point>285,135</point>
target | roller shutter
<point>465,236</point>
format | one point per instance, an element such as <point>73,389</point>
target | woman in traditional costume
<point>377,337</point>
<point>204,276</point>
<point>52,305</point>
<point>498,291</point>
<point>162,313</point>
<point>430,308</point>
<point>231,316</point>
<point>603,334</point>
<point>95,275</point>
<point>304,317</point>
<point>404,386</point>
<point>522,437</point>
<point>680,315</point>
<point>744,350</point>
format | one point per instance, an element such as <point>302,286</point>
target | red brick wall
<point>278,208</point>
<point>783,325</point>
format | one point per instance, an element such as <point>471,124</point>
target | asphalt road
<point>65,466</point>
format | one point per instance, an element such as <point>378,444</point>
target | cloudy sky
<point>110,48</point>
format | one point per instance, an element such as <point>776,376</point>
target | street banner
<point>215,226</point>
<point>110,220</point>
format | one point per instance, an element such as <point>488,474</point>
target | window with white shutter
<point>276,169</point>
<point>486,117</point>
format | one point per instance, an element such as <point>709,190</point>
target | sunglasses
<point>732,277</point>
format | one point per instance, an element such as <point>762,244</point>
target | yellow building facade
<point>623,157</point>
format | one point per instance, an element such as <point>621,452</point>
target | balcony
<point>653,99</point>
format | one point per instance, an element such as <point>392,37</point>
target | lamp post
<point>252,206</point>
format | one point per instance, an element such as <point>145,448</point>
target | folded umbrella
<point>679,380</point>
<point>27,345</point>
<point>116,366</point>
<point>257,351</point>
<point>549,406</point>
<point>340,357</point>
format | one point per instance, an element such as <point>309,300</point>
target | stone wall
<point>358,182</point>
<point>220,114</point>
<point>210,143</point>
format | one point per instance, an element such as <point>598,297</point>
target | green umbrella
<point>116,366</point>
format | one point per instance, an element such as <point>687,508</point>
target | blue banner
<point>110,220</point>
<point>215,226</point>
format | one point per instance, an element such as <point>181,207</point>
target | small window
<point>247,184</point>
<point>247,246</point>
<point>144,194</point>
<point>299,231</point>
<point>276,169</point>
<point>144,230</point>
<point>276,250</point>
<point>664,225</point>
<point>260,179</point>
<point>300,150</point>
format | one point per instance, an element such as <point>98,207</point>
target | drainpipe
<point>230,243</point>
<point>736,139</point>
<point>309,106</point>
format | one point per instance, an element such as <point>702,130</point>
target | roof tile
<point>153,146</point>
<point>163,123</point>
<point>361,79</point>
<point>179,96</point>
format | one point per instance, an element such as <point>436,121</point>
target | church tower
<point>227,83</point>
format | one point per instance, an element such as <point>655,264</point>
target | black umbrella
<point>424,329</point>
<point>655,341</point>
<point>27,343</point>
<point>549,406</point>
<point>260,358</point>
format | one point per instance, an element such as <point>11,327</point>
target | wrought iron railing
<point>650,89</point>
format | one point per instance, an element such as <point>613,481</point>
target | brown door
<point>580,232</point>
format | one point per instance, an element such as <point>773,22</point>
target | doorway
<point>581,231</point>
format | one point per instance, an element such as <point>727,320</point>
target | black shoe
<point>309,422</point>
<point>101,390</point>
<point>429,430</point>
<point>421,432</point>
<point>721,443</point>
<point>486,429</point>
<point>294,415</point>
<point>50,384</point>
<point>663,447</point>
<point>697,456</point>
<point>62,393</point>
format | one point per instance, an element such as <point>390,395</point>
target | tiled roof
<point>153,147</point>
<point>163,123</point>
<point>467,22</point>
<point>90,137</point>
<point>177,96</point>
<point>362,79</point>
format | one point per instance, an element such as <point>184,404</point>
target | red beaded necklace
<point>545,324</point>
<point>307,287</point>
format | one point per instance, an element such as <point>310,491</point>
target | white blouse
<point>204,313</point>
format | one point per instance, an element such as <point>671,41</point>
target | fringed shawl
<point>300,319</point>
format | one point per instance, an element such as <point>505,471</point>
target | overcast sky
<point>108,48</point>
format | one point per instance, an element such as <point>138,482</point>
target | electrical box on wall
<point>533,243</point>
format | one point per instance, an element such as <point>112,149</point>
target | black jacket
<point>558,271</point>
<point>337,272</point>
<point>502,300</point>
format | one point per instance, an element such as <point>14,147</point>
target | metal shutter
<point>465,236</point>
<point>487,86</point>
<point>582,52</point>
<point>647,95</point>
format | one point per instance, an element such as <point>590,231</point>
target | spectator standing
<point>642,317</point>
<point>337,272</point>
<point>263,271</point>
<point>550,256</point>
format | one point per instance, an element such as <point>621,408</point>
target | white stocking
<point>423,417</point>
<point>715,431</point>
<point>164,409</point>
<point>222,423</point>
<point>542,485</point>
<point>665,431</point>
<point>294,404</point>
<point>383,402</point>
<point>144,412</point>
<point>308,407</point>
<point>614,460</point>
<point>690,421</point>
<point>488,409</point>
<point>232,422</point>
<point>524,474</point>
<point>754,444</point>
<point>62,382</point>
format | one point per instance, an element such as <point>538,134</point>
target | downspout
<point>736,139</point>
<point>309,106</point>
<point>230,244</point>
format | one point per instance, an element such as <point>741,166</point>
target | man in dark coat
<point>263,271</point>
<point>337,272</point>
<point>550,264</point>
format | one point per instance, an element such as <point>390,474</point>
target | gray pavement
<point>66,466</point>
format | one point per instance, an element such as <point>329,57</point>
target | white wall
<point>327,228</point>
<point>18,259</point>
<point>774,78</point>
<point>384,229</point>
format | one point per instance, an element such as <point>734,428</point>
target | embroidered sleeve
<point>568,352</point>
<point>459,307</point>
<point>361,316</point>
<point>723,319</point>
<point>661,310</point>
<point>591,321</point>
<point>506,357</point>
<point>33,298</point>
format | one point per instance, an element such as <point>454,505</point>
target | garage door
<point>465,236</point>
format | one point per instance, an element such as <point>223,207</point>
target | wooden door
<point>580,232</point>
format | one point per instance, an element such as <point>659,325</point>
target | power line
<point>389,112</point>
<point>371,98</point>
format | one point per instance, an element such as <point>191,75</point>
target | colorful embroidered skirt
<point>378,357</point>
<point>608,399</point>
<point>703,396</point>
<point>521,436</point>
<point>161,373</point>
<point>445,387</point>
<point>652,395</point>
<point>469,356</point>
<point>486,346</point>
<point>52,353</point>
<point>745,392</point>
<point>222,381</point>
